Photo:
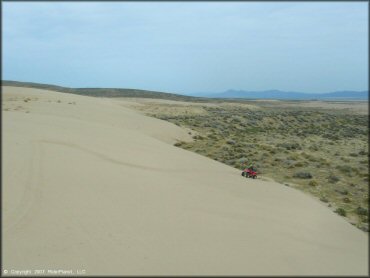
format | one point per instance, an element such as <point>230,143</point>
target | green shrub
<point>313,148</point>
<point>313,183</point>
<point>361,211</point>
<point>302,175</point>
<point>345,168</point>
<point>362,152</point>
<point>341,211</point>
<point>299,164</point>
<point>212,136</point>
<point>365,219</point>
<point>230,142</point>
<point>342,191</point>
<point>333,179</point>
<point>243,160</point>
<point>290,146</point>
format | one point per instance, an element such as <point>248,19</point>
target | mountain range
<point>276,94</point>
<point>230,94</point>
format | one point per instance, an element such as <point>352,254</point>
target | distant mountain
<point>199,97</point>
<point>347,94</point>
<point>276,94</point>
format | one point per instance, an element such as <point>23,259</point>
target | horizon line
<point>191,93</point>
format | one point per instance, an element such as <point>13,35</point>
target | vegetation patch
<point>341,211</point>
<point>320,151</point>
<point>302,175</point>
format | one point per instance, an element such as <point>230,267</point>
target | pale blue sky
<point>186,47</point>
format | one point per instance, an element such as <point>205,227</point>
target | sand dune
<point>90,184</point>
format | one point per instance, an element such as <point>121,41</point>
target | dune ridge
<point>91,184</point>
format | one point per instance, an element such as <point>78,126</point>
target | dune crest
<point>91,184</point>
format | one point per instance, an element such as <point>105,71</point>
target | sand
<point>89,184</point>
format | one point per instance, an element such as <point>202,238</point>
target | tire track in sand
<point>32,193</point>
<point>111,159</point>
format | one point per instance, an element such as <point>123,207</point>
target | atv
<point>248,173</point>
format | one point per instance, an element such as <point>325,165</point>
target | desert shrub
<point>287,163</point>
<point>230,142</point>
<point>361,211</point>
<point>243,160</point>
<point>346,200</point>
<point>345,159</point>
<point>313,183</point>
<point>330,136</point>
<point>364,175</point>
<point>324,199</point>
<point>344,168</point>
<point>333,179</point>
<point>313,148</point>
<point>198,137</point>
<point>342,191</point>
<point>265,147</point>
<point>302,175</point>
<point>309,157</point>
<point>299,164</point>
<point>265,155</point>
<point>362,152</point>
<point>290,146</point>
<point>341,211</point>
<point>250,146</point>
<point>294,156</point>
<point>178,144</point>
<point>366,198</point>
<point>212,136</point>
<point>365,219</point>
<point>225,147</point>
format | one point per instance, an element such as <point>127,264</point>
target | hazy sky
<point>187,47</point>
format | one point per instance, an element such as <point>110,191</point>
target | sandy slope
<point>96,186</point>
